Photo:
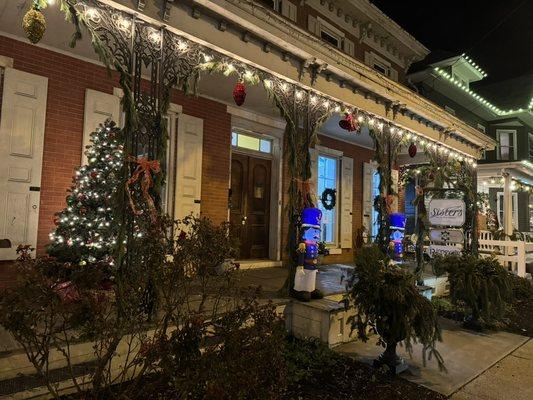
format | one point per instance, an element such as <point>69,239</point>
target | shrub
<point>388,302</point>
<point>482,284</point>
<point>173,320</point>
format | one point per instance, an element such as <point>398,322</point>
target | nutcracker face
<point>311,235</point>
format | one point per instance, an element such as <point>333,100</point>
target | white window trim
<point>325,26</point>
<point>383,63</point>
<point>449,110</point>
<point>482,128</point>
<point>335,246</point>
<point>498,132</point>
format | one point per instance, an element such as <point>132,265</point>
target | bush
<point>481,284</point>
<point>172,321</point>
<point>388,302</point>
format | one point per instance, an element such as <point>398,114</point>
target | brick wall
<point>68,79</point>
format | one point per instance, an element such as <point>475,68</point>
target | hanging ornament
<point>94,174</point>
<point>412,150</point>
<point>239,93</point>
<point>349,123</point>
<point>34,24</point>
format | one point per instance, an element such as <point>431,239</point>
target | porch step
<point>324,319</point>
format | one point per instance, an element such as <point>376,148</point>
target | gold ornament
<point>34,25</point>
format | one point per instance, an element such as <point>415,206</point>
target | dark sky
<point>471,26</point>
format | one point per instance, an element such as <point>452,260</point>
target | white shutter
<point>189,166</point>
<point>395,176</point>
<point>349,47</point>
<point>368,171</point>
<point>346,202</point>
<point>289,10</point>
<point>99,106</point>
<point>313,153</point>
<point>394,74</point>
<point>368,58</point>
<point>21,157</point>
<point>312,25</point>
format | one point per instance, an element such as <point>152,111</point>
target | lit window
<point>250,142</point>
<point>506,147</point>
<point>327,179</point>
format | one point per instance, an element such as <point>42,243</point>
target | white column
<point>507,204</point>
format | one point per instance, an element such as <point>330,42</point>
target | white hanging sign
<point>446,235</point>
<point>447,212</point>
<point>437,249</point>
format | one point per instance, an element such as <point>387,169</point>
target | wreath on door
<point>329,198</point>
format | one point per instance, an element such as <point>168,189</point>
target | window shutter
<point>349,47</point>
<point>99,106</point>
<point>189,166</point>
<point>346,203</point>
<point>394,74</point>
<point>289,10</point>
<point>368,58</point>
<point>312,25</point>
<point>368,170</point>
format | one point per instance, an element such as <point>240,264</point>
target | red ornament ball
<point>239,93</point>
<point>94,174</point>
<point>412,150</point>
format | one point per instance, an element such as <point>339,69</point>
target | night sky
<point>465,27</point>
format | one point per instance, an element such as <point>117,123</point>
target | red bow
<point>143,172</point>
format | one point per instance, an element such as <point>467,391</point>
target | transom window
<point>250,142</point>
<point>328,168</point>
<point>330,37</point>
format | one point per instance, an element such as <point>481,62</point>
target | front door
<point>250,204</point>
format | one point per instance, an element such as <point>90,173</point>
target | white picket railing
<point>513,254</point>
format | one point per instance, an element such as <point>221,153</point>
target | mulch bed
<point>521,318</point>
<point>357,381</point>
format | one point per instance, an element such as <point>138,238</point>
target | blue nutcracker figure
<point>305,277</point>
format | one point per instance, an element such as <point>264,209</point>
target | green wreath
<point>329,198</point>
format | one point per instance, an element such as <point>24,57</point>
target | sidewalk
<point>481,366</point>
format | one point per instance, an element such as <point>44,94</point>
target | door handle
<point>243,221</point>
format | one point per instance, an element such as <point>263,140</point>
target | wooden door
<point>250,204</point>
<point>21,154</point>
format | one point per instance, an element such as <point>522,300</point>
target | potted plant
<point>388,303</point>
<point>481,284</point>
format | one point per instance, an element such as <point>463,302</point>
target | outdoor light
<point>182,46</point>
<point>92,13</point>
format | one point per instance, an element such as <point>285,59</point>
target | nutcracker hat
<point>311,217</point>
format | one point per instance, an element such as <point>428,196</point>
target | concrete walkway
<point>481,366</point>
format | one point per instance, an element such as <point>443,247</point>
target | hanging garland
<point>329,198</point>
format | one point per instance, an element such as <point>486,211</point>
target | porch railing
<point>512,254</point>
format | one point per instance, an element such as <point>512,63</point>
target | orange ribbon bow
<point>143,172</point>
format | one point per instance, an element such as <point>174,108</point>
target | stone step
<point>324,319</point>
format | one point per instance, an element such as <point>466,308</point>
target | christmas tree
<point>85,231</point>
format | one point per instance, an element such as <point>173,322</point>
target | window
<point>514,209</point>
<point>250,142</point>
<point>449,109</point>
<point>329,33</point>
<point>481,128</point>
<point>381,65</point>
<point>328,168</point>
<point>506,145</point>
<point>329,37</point>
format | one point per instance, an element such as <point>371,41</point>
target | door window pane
<point>327,179</point>
<point>251,142</point>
